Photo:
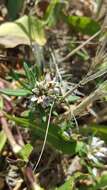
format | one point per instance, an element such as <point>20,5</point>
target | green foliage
<point>72,98</point>
<point>25,152</point>
<point>81,148</point>
<point>83,24</point>
<point>101,182</point>
<point>30,75</point>
<point>14,6</point>
<point>68,185</point>
<point>54,138</point>
<point>64,136</point>
<point>53,12</point>
<point>99,130</point>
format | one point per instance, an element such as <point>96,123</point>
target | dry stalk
<point>79,109</point>
<point>15,147</point>
<point>79,47</point>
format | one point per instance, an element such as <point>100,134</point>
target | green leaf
<point>14,7</point>
<point>53,12</point>
<point>1,103</point>
<point>81,148</point>
<point>54,138</point>
<point>27,71</point>
<point>99,130</point>
<point>83,24</point>
<point>25,152</point>
<point>68,185</point>
<point>16,75</point>
<point>25,30</point>
<point>25,113</point>
<point>30,76</point>
<point>15,92</point>
<point>72,99</point>
<point>102,182</point>
<point>3,140</point>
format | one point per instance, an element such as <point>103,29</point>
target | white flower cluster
<point>45,92</point>
<point>97,150</point>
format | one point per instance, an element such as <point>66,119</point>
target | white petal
<point>93,158</point>
<point>99,155</point>
<point>103,150</point>
<point>94,171</point>
<point>96,142</point>
<point>33,98</point>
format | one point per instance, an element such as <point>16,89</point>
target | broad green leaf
<point>26,30</point>
<point>25,152</point>
<point>14,7</point>
<point>3,140</point>
<point>54,138</point>
<point>83,24</point>
<point>15,92</point>
<point>68,185</point>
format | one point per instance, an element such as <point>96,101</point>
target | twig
<point>85,80</point>
<point>44,143</point>
<point>79,47</point>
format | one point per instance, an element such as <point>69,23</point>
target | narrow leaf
<point>54,138</point>
<point>2,140</point>
<point>15,92</point>
<point>53,12</point>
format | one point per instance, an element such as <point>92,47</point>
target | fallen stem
<point>79,47</point>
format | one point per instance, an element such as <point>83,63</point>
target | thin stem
<point>44,143</point>
<point>79,47</point>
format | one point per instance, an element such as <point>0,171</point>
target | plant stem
<point>46,134</point>
<point>16,148</point>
